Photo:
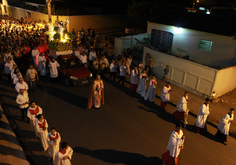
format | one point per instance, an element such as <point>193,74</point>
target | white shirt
<point>35,52</point>
<point>20,86</point>
<point>83,59</point>
<point>9,66</point>
<point>77,53</point>
<point>129,61</point>
<point>42,59</point>
<point>92,56</point>
<point>122,70</point>
<point>53,69</point>
<point>112,67</point>
<point>21,99</point>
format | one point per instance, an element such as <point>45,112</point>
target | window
<point>161,40</point>
<point>204,45</point>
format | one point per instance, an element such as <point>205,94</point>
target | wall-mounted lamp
<point>178,30</point>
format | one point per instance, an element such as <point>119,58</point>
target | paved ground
<point>126,130</point>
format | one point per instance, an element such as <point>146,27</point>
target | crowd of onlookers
<point>23,44</point>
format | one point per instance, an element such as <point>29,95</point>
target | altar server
<point>41,127</point>
<point>53,65</point>
<point>64,155</point>
<point>150,95</point>
<point>142,84</point>
<point>224,125</point>
<point>134,79</point>
<point>175,145</point>
<point>201,120</point>
<point>32,112</point>
<point>182,110</point>
<point>54,140</point>
<point>165,95</point>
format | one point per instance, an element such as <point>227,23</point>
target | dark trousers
<point>122,78</point>
<point>32,86</point>
<point>149,69</point>
<point>24,113</point>
<point>53,80</point>
<point>113,75</point>
<point>9,78</point>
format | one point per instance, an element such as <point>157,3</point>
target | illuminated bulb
<point>178,30</point>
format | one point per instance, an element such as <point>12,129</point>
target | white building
<point>206,39</point>
<point>199,49</point>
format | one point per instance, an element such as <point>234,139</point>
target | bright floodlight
<point>178,30</point>
<point>208,12</point>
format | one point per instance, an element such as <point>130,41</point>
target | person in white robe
<point>224,126</point>
<point>53,65</point>
<point>150,95</point>
<point>21,84</point>
<point>142,84</point>
<point>42,64</point>
<point>165,95</point>
<point>54,140</point>
<point>182,110</point>
<point>83,58</point>
<point>134,79</point>
<point>35,56</point>
<point>175,145</point>
<point>201,120</point>
<point>33,111</point>
<point>64,155</point>
<point>41,127</point>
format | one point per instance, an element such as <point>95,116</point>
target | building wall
<point>76,22</point>
<point>222,51</point>
<point>98,21</point>
<point>187,74</point>
<point>225,81</point>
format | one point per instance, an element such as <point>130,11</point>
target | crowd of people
<point>24,43</point>
<point>21,44</point>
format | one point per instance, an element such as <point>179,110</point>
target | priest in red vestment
<point>96,93</point>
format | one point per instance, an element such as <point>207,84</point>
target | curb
<point>12,151</point>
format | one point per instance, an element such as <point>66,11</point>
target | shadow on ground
<point>115,157</point>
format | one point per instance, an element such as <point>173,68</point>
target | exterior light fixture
<point>178,29</point>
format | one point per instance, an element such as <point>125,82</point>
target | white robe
<point>134,77</point>
<point>224,124</point>
<point>59,157</point>
<point>182,105</point>
<point>174,143</point>
<point>202,116</point>
<point>53,146</point>
<point>150,95</point>
<point>53,69</point>
<point>42,65</point>
<point>42,134</point>
<point>142,85</point>
<point>165,95</point>
<point>35,55</point>
<point>32,117</point>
